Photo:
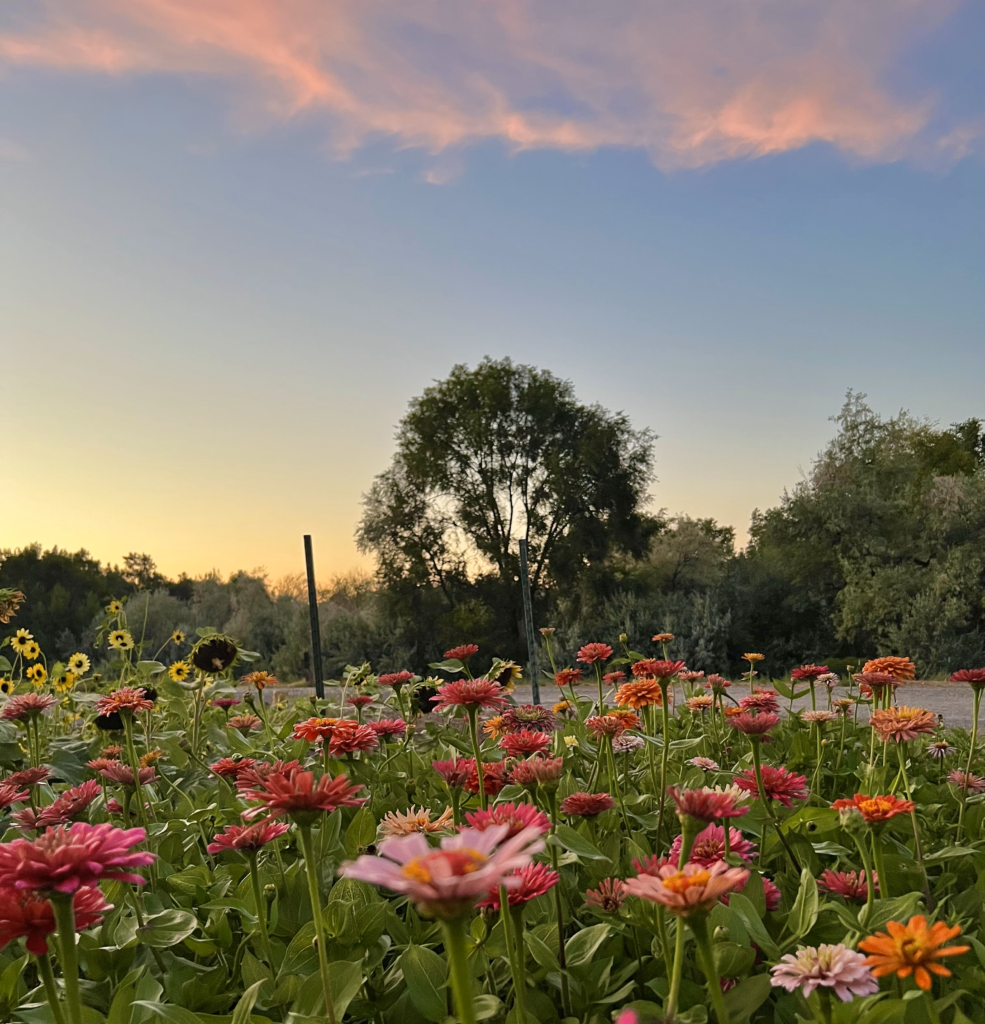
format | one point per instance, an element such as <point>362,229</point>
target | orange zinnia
<point>875,809</point>
<point>629,719</point>
<point>900,668</point>
<point>903,724</point>
<point>911,949</point>
<point>640,693</point>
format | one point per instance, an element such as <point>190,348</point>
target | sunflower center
<point>444,864</point>
<point>681,882</point>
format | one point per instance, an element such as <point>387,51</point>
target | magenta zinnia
<point>65,808</point>
<point>534,881</point>
<point>524,742</point>
<point>385,727</point>
<point>709,846</point>
<point>778,784</point>
<point>247,838</point>
<point>516,817</point>
<point>850,884</point>
<point>29,915</point>
<point>27,705</point>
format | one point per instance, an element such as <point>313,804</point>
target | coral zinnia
<point>702,702</point>
<point>586,805</point>
<point>568,676</point>
<point>709,846</point>
<point>653,668</point>
<point>455,771</point>
<point>314,729</point>
<point>825,967</point>
<point>608,897</point>
<point>492,777</point>
<point>809,672</point>
<point>388,727</point>
<point>754,725</point>
<point>516,817</point>
<point>64,809</point>
<point>974,677</point>
<point>395,680</point>
<point>128,698</point>
<point>538,771</point>
<point>778,784</point>
<point>604,725</point>
<point>244,723</point>
<point>350,737</point>
<point>902,724</point>
<point>639,693</point>
<point>761,700</point>
<point>247,838</point>
<point>901,669</point>
<point>535,880</point>
<point>261,680</point>
<point>470,693</point>
<point>706,804</point>
<point>448,881</point>
<point>295,792</point>
<point>462,652</point>
<point>27,705</point>
<point>229,767</point>
<point>405,823</point>
<point>875,809</point>
<point>912,948</point>
<point>850,884</point>
<point>66,859</point>
<point>529,716</point>
<point>26,914</point>
<point>28,777</point>
<point>524,743</point>
<point>693,889</point>
<point>591,653</point>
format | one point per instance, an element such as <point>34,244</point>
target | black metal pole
<point>528,620</point>
<point>317,672</point>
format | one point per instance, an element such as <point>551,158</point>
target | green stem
<point>664,756</point>
<point>880,867</point>
<point>559,908</point>
<point>598,676</point>
<point>261,906</point>
<point>474,734</point>
<point>699,926</point>
<point>870,885</point>
<point>64,910</point>
<point>458,969</point>
<point>607,741</point>
<point>670,1007</point>
<point>50,988</point>
<point>520,969</point>
<point>758,768</point>
<point>824,1006</point>
<point>314,894</point>
<point>127,717</point>
<point>971,756</point>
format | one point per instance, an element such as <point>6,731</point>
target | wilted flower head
<point>967,781</point>
<point>405,823</point>
<point>454,772</point>
<point>608,897</point>
<point>902,724</point>
<point>586,805</point>
<point>247,838</point>
<point>826,967</point>
<point>691,890</point>
<point>901,669</point>
<point>471,693</point>
<point>215,653</point>
<point>516,817</point>
<point>778,784</point>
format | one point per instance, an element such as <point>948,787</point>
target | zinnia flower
<point>709,846</point>
<point>261,680</point>
<point>972,783</point>
<point>27,914</point>
<point>535,880</point>
<point>652,668</point>
<point>66,859</point>
<point>850,884</point>
<point>247,838</point>
<point>361,700</point>
<point>524,743</point>
<point>608,897</point>
<point>27,705</point>
<point>604,725</point>
<point>295,792</point>
<point>529,716</point>
<point>834,967</point>
<point>454,772</point>
<point>902,724</point>
<point>625,744</point>
<point>693,889</point>
<point>912,948</point>
<point>706,804</point>
<point>870,683</point>
<point>567,677</point>
<point>314,729</point>
<point>516,817</point>
<point>761,700</point>
<point>753,658</point>
<point>901,669</point>
<point>447,882</point>
<point>28,777</point>
<point>754,725</point>
<point>395,680</point>
<point>639,693</point>
<point>706,764</point>
<point>11,795</point>
<point>492,777</point>
<point>974,677</point>
<point>350,737</point>
<point>591,653</point>
<point>470,693</point>
<point>386,727</point>
<point>127,698</point>
<point>811,672</point>
<point>405,823</point>
<point>64,809</point>
<point>819,717</point>
<point>538,771</point>
<point>122,774</point>
<point>663,638</point>
<point>778,784</point>
<point>463,652</point>
<point>875,809</point>
<point>244,723</point>
<point>702,702</point>
<point>257,773</point>
<point>614,678</point>
<point>586,805</point>
<point>230,767</point>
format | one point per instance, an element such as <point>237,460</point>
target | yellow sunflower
<point>180,671</point>
<point>120,640</point>
<point>31,651</point>
<point>38,675</point>
<point>78,664</point>
<point>6,687</point>
<point>21,640</point>
<point>177,637</point>
<point>114,607</point>
<point>64,682</point>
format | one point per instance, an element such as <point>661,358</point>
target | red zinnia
<point>454,772</point>
<point>754,725</point>
<point>26,914</point>
<point>463,652</point>
<point>295,792</point>
<point>388,727</point>
<point>395,679</point>
<point>349,737</point>
<point>535,880</point>
<point>470,693</point>
<point>567,676</point>
<point>66,808</point>
<point>538,771</point>
<point>778,784</point>
<point>248,838</point>
<point>850,884</point>
<point>524,742</point>
<point>127,698</point>
<point>229,767</point>
<point>586,805</point>
<point>614,678</point>
<point>975,677</point>
<point>11,795</point>
<point>122,774</point>
<point>492,777</point>
<point>652,668</point>
<point>26,705</point>
<point>225,703</point>
<point>28,777</point>
<point>66,859</point>
<point>314,729</point>
<point>809,672</point>
<point>706,804</point>
<point>516,817</point>
<point>591,653</point>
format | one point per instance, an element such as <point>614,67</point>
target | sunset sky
<point>237,236</point>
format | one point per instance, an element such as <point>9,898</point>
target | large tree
<point>495,454</point>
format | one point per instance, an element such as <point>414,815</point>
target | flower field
<point>183,843</point>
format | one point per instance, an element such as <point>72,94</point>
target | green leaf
<point>747,997</point>
<point>361,832</point>
<point>149,668</point>
<point>754,925</point>
<point>346,979</point>
<point>581,947</point>
<point>541,952</point>
<point>426,975</point>
<point>575,843</point>
<point>10,977</point>
<point>168,929</point>
<point>803,914</point>
<point>451,665</point>
<point>168,1011</point>
<point>948,852</point>
<point>243,1009</point>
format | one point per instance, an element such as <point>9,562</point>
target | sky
<point>238,236</point>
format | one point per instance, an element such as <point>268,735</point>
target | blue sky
<point>222,310</point>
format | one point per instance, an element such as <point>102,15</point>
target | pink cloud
<point>692,84</point>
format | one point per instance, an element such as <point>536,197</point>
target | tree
<point>492,455</point>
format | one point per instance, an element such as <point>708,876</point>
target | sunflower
<point>114,607</point>
<point>38,675</point>
<point>7,687</point>
<point>120,640</point>
<point>180,671</point>
<point>21,640</point>
<point>31,651</point>
<point>64,682</point>
<point>78,664</point>
<point>177,637</point>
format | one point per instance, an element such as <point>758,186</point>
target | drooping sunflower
<point>120,640</point>
<point>78,664</point>
<point>21,640</point>
<point>180,671</point>
<point>215,653</point>
<point>114,607</point>
<point>10,601</point>
<point>38,675</point>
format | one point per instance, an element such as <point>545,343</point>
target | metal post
<point>317,671</point>
<point>528,619</point>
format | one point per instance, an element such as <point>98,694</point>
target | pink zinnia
<point>122,774</point>
<point>470,693</point>
<point>225,703</point>
<point>535,880</point>
<point>295,793</point>
<point>448,881</point>
<point>591,653</point>
<point>65,808</point>
<point>11,795</point>
<point>524,742</point>
<point>395,679</point>
<point>778,784</point>
<point>66,859</point>
<point>974,677</point>
<point>455,771</point>
<point>28,777</point>
<point>516,817</point>
<point>850,884</point>
<point>608,897</point>
<point>26,705</point>
<point>706,804</point>
<point>809,672</point>
<point>29,915</point>
<point>653,668</point>
<point>361,700</point>
<point>586,805</point>
<point>761,700</point>
<point>247,838</point>
<point>385,727</point>
<point>706,764</point>
<point>966,780</point>
<point>463,652</point>
<point>830,967</point>
<point>754,725</point>
<point>709,846</point>
<point>771,894</point>
<point>693,889</point>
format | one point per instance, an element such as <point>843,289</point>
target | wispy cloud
<point>690,83</point>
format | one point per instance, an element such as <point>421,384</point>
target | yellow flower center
<point>681,882</point>
<point>444,863</point>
